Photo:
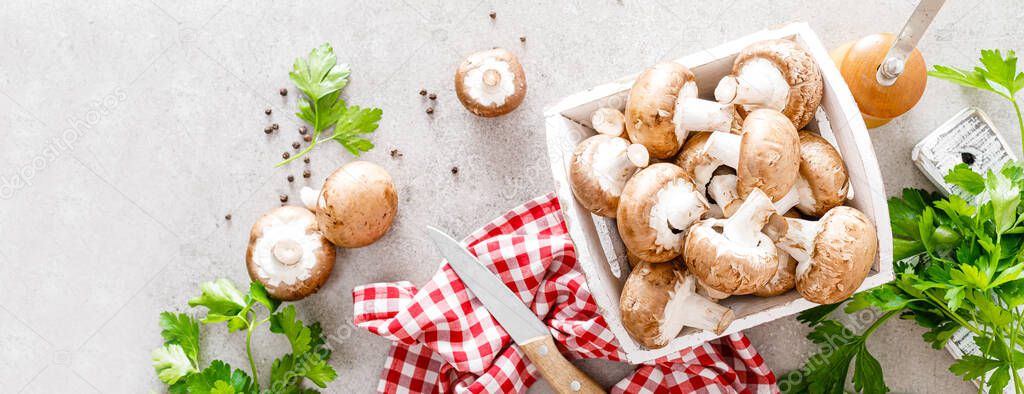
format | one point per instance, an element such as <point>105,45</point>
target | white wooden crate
<point>600,250</point>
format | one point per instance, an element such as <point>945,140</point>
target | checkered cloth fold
<point>445,341</point>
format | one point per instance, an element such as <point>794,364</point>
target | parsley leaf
<point>968,180</point>
<point>171,363</point>
<point>259,294</point>
<point>181,330</point>
<point>219,378</point>
<point>284,322</point>
<point>221,298</point>
<point>998,75</point>
<point>321,80</point>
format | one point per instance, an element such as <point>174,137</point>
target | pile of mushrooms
<point>714,199</point>
<point>291,249</point>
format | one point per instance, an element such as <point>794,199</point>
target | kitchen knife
<point>519,321</point>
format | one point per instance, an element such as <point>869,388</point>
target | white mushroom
<point>659,299</point>
<point>823,183</point>
<point>663,108</point>
<point>776,74</point>
<point>732,255</point>
<point>608,121</point>
<point>766,156</point>
<point>657,206</point>
<point>491,83</point>
<point>599,169</point>
<point>288,254</point>
<point>834,254</point>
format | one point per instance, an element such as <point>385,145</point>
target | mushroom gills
<point>491,83</point>
<point>675,209</point>
<point>758,84</point>
<point>286,253</point>
<point>686,308</point>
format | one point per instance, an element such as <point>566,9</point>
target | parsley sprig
<point>321,79</point>
<point>959,265</point>
<point>177,362</point>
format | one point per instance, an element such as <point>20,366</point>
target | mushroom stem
<point>608,121</point>
<point>723,149</point>
<point>287,251</point>
<point>759,83</point>
<point>309,196</point>
<point>792,198</point>
<point>798,241</point>
<point>614,162</point>
<point>492,78</point>
<point>686,308</point>
<point>722,189</point>
<point>745,224</point>
<point>694,114</point>
<point>677,206</point>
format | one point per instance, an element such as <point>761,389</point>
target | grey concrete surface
<point>129,129</point>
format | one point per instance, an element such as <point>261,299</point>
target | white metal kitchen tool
<point>520,322</point>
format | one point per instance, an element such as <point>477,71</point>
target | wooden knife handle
<point>564,377</point>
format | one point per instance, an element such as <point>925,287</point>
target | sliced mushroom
<point>657,206</point>
<point>663,108</point>
<point>600,167</point>
<point>776,74</point>
<point>609,121</point>
<point>659,299</point>
<point>732,255</point>
<point>833,254</point>
<point>766,156</point>
<point>491,83</point>
<point>823,183</point>
<point>288,254</point>
<point>357,204</point>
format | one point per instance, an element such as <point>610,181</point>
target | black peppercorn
<point>303,130</point>
<point>227,217</point>
<point>522,38</point>
<point>268,130</point>
<point>268,111</point>
<point>306,174</point>
<point>284,198</point>
<point>967,158</point>
<point>423,92</point>
<point>493,14</point>
<point>275,126</point>
<point>291,178</point>
<point>307,138</point>
<point>296,144</point>
<point>305,159</point>
<point>283,91</point>
<point>430,110</point>
<point>432,96</point>
<point>286,155</point>
<point>455,170</point>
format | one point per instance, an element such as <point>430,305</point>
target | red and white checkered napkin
<point>446,341</point>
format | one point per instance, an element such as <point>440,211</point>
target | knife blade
<point>520,322</point>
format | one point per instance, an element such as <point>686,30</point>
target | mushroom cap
<point>690,157</point>
<point>825,173</point>
<point>636,206</point>
<point>471,71</point>
<point>271,240</point>
<point>586,183</point>
<point>799,69</point>
<point>769,154</point>
<point>785,277</point>
<point>844,251</point>
<point>357,204</point>
<point>725,268</point>
<point>651,106</point>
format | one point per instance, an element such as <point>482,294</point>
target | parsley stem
<point>878,323</point>
<point>297,155</point>
<point>1020,121</point>
<point>248,351</point>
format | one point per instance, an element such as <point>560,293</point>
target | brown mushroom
<point>608,121</point>
<point>663,108</point>
<point>833,254</point>
<point>357,204</point>
<point>657,206</point>
<point>491,83</point>
<point>288,254</point>
<point>659,299</point>
<point>823,183</point>
<point>599,169</point>
<point>766,156</point>
<point>733,255</point>
<point>776,74</point>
